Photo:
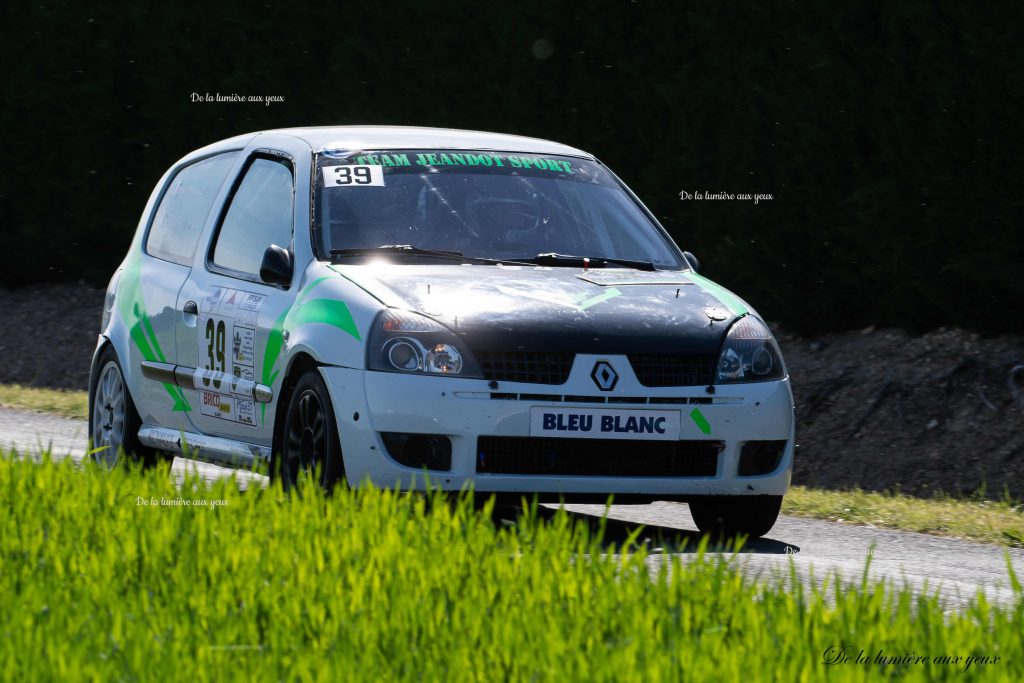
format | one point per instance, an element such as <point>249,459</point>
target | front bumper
<point>368,403</point>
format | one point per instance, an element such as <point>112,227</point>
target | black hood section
<point>606,311</point>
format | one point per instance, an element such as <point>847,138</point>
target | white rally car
<point>377,304</point>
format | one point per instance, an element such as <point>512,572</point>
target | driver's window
<point>260,214</point>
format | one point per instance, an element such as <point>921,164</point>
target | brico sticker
<point>217,405</point>
<point>227,354</point>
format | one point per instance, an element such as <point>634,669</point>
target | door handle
<point>191,308</point>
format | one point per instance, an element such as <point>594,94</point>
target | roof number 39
<point>349,176</point>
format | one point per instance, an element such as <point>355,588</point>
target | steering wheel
<point>506,221</point>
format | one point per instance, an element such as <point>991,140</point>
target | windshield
<point>485,205</point>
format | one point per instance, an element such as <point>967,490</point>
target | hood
<point>510,308</point>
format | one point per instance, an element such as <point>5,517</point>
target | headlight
<point>750,354</point>
<point>402,341</point>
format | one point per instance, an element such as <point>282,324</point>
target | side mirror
<point>276,268</point>
<point>691,261</point>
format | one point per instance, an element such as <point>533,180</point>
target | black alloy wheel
<point>310,442</point>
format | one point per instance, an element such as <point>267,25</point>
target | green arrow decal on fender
<point>326,311</point>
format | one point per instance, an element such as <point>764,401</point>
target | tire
<point>309,439</point>
<point>727,516</point>
<point>113,420</point>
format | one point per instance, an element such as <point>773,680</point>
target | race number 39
<point>353,176</point>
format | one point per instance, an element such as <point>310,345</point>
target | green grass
<point>986,521</point>
<point>375,585</point>
<point>66,403</point>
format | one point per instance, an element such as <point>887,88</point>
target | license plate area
<point>603,423</point>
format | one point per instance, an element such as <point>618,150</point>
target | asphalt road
<point>957,569</point>
<point>36,432</point>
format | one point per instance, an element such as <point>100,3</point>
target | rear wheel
<point>309,436</point>
<point>114,422</point>
<point>728,516</point>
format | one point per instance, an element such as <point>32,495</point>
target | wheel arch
<point>94,372</point>
<point>299,364</point>
<point>122,349</point>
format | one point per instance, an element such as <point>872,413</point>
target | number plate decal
<point>353,176</point>
<point>596,423</point>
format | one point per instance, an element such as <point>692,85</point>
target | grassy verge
<point>124,576</point>
<point>65,403</point>
<point>985,521</point>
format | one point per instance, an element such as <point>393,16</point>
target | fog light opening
<point>758,458</point>
<point>419,451</point>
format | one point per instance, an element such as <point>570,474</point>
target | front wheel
<point>309,436</point>
<point>727,516</point>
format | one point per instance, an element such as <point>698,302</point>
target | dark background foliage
<point>889,134</point>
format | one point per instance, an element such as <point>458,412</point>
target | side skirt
<point>212,449</point>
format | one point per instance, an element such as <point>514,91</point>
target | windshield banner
<point>464,159</point>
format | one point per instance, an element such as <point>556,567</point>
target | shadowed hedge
<point>887,133</point>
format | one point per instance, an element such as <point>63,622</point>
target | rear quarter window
<point>184,208</point>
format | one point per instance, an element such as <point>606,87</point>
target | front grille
<point>596,457</point>
<point>525,366</point>
<point>661,400</point>
<point>673,369</point>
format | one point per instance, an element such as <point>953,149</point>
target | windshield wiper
<point>553,259</point>
<point>408,249</point>
<point>395,249</point>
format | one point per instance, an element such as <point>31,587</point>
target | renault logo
<point>604,376</point>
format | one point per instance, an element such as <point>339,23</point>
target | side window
<point>260,214</point>
<point>183,209</point>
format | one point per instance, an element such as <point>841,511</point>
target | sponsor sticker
<point>249,309</point>
<point>596,423</point>
<point>229,303</point>
<point>246,412</point>
<point>212,300</point>
<point>216,405</point>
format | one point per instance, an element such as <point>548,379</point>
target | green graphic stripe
<point>610,294</point>
<point>727,298</point>
<point>275,342</point>
<point>327,311</point>
<point>133,309</point>
<point>309,288</point>
<point>178,396</point>
<point>146,351</point>
<point>152,336</point>
<point>138,336</point>
<point>702,422</point>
